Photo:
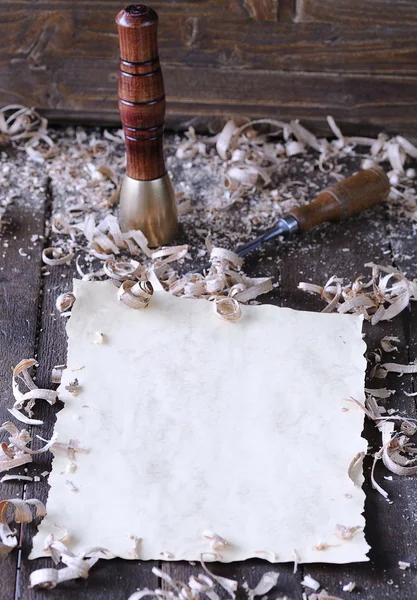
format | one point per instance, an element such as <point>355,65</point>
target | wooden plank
<point>44,37</point>
<point>117,579</point>
<point>340,12</point>
<point>262,10</point>
<point>20,279</point>
<point>380,103</point>
<point>390,528</point>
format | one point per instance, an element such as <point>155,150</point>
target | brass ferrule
<point>149,206</point>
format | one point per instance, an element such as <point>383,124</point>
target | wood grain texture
<point>344,199</point>
<point>141,92</point>
<point>20,281</point>
<point>385,103</point>
<point>352,12</point>
<point>262,10</point>
<point>198,39</point>
<point>61,56</point>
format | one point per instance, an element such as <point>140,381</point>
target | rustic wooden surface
<point>30,325</point>
<point>279,58</point>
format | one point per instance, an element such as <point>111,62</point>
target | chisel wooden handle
<point>141,92</point>
<point>342,200</point>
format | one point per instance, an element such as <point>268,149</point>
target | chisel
<point>347,197</point>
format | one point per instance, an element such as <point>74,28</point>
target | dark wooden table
<point>31,327</point>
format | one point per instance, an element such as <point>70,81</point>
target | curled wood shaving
<point>381,298</point>
<point>15,453</point>
<point>386,343</point>
<point>355,467</point>
<point>65,301</point>
<point>216,541</point>
<point>403,565</point>
<point>392,451</point>
<point>227,309</point>
<point>178,590</point>
<point>230,585</point>
<point>19,511</point>
<point>77,565</point>
<point>21,123</point>
<point>223,277</point>
<point>56,256</point>
<point>135,295</point>
<point>21,374</point>
<point>267,555</point>
<point>123,270</point>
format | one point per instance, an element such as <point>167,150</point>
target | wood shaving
<point>99,338</point>
<point>349,587</point>
<point>77,565</point>
<point>355,468</point>
<point>135,295</point>
<point>396,368</point>
<point>21,123</point>
<point>56,374</point>
<point>386,343</point>
<point>56,256</point>
<point>311,583</point>
<point>230,585</point>
<point>21,374</point>
<point>381,393</point>
<point>403,565</point>
<point>381,298</point>
<point>73,387</point>
<point>323,596</point>
<point>123,270</point>
<point>6,478</point>
<point>19,511</point>
<point>296,561</point>
<point>321,546</point>
<point>216,541</point>
<point>71,486</point>
<point>65,301</point>
<point>265,584</point>
<point>178,590</point>
<point>267,555</point>
<point>346,533</point>
<point>15,453</point>
<point>227,309</point>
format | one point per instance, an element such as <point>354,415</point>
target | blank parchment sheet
<point>193,424</point>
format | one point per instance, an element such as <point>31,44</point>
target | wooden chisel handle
<point>141,92</point>
<point>349,196</point>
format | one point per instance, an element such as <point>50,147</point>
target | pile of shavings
<point>255,152</point>
<point>381,298</point>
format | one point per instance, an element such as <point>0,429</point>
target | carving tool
<point>147,200</point>
<point>345,198</point>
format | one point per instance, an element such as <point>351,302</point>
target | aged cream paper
<point>195,424</point>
